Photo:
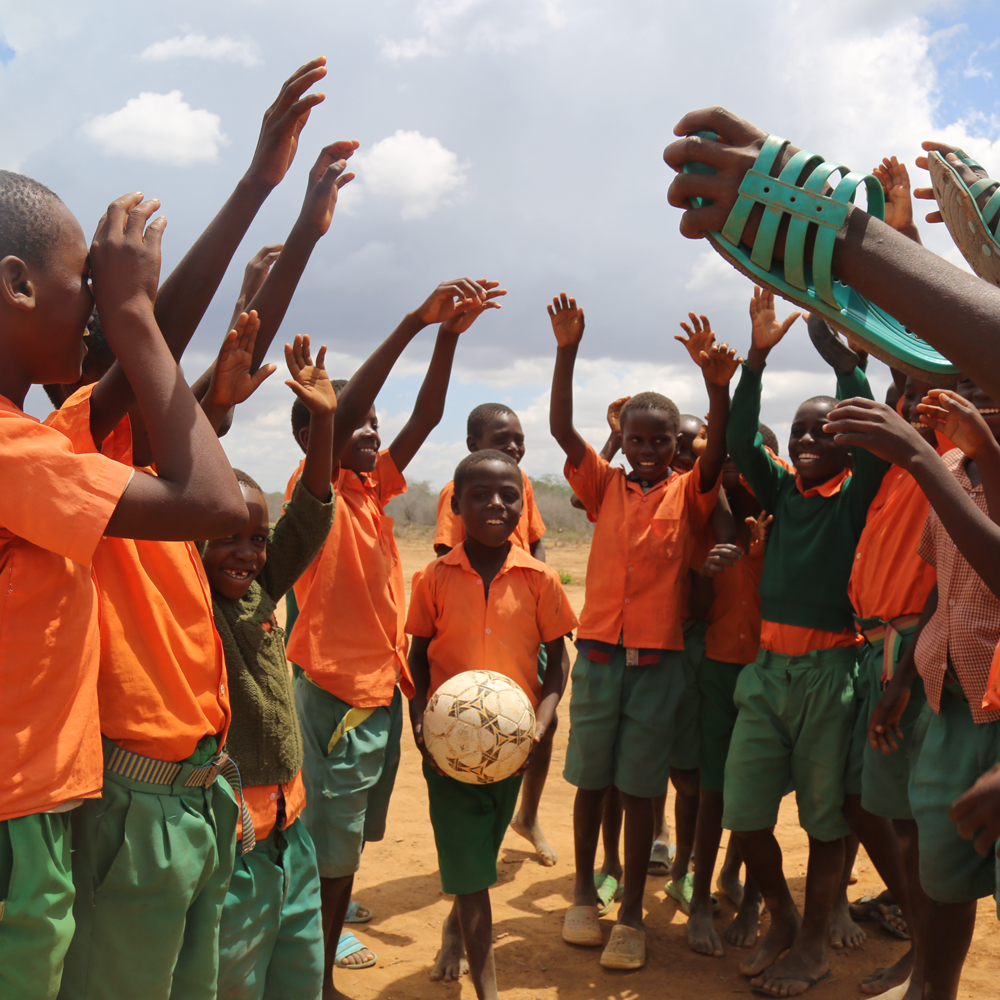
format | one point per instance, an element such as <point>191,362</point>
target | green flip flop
<point>809,211</point>
<point>973,229</point>
<point>609,891</point>
<point>683,892</point>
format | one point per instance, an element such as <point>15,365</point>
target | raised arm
<point>194,494</point>
<point>567,324</point>
<point>895,182</point>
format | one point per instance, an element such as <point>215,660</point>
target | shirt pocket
<point>666,540</point>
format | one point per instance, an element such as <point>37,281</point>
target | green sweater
<point>810,550</point>
<point>264,736</point>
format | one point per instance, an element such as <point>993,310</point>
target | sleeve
<point>868,470</point>
<point>50,495</point>
<point>422,617</point>
<point>927,547</point>
<point>390,480</point>
<point>449,529</point>
<point>536,526</point>
<point>746,446</point>
<point>555,615</point>
<point>698,505</point>
<point>590,480</point>
<point>295,540</point>
<point>73,420</point>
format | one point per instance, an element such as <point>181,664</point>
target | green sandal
<point>813,287</point>
<point>609,891</point>
<point>973,229</point>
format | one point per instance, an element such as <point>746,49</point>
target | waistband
<point>875,629</point>
<point>163,777</point>
<point>838,656</point>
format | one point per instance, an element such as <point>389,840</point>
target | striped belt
<point>891,634</point>
<point>150,771</point>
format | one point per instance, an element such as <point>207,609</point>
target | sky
<point>519,140</point>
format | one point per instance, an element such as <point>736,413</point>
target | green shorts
<point>622,724</point>
<point>685,754</point>
<point>717,687</point>
<point>151,864</point>
<point>469,824</point>
<point>794,724</point>
<point>36,904</point>
<point>954,751</point>
<point>348,789</point>
<point>543,662</point>
<point>271,934</point>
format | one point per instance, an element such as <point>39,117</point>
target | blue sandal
<point>813,287</point>
<point>349,945</point>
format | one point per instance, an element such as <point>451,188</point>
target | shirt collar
<point>516,557</point>
<point>827,489</point>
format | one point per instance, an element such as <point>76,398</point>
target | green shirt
<point>810,549</point>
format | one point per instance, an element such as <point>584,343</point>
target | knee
<point>687,782</point>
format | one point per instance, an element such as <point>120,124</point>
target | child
<point>487,587</point>
<point>270,935</point>
<point>628,679</point>
<point>60,497</point>
<point>495,426</point>
<point>796,702</point>
<point>349,638</point>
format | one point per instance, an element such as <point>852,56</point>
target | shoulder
<point>446,491</point>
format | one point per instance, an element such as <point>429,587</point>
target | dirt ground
<point>399,882</point>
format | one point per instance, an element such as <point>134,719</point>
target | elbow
<point>225,516</point>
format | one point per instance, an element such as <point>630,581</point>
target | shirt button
<point>222,687</point>
<point>626,600</point>
<point>744,604</point>
<point>644,499</point>
<point>274,795</point>
<point>480,582</point>
<point>951,604</point>
<point>858,555</point>
<point>742,636</point>
<point>631,568</point>
<point>488,631</point>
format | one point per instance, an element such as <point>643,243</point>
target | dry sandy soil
<point>399,882</point>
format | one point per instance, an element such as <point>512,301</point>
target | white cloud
<point>159,127</point>
<point>244,52</point>
<point>412,169</point>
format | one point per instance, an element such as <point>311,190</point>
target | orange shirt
<point>162,682</point>
<point>262,803</point>
<point>451,532</point>
<point>55,503</point>
<point>350,633</point>
<point>733,634</point>
<point>889,578</point>
<point>526,606</point>
<point>639,557</point>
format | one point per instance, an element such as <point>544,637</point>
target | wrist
<point>413,323</point>
<point>253,187</point>
<point>757,357</point>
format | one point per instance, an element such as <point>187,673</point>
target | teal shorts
<point>685,754</point>
<point>469,824</point>
<point>347,789</point>
<point>36,896</point>
<point>543,662</point>
<point>794,724</point>
<point>271,934</point>
<point>151,864</point>
<point>953,753</point>
<point>622,723</point>
<point>717,687</point>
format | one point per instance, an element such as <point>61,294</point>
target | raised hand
<point>449,299</point>
<point>719,364</point>
<point>896,184</point>
<point>232,382</point>
<point>309,380</point>
<point>968,174</point>
<point>255,274</point>
<point>461,321</point>
<point>876,427</point>
<point>720,558</point>
<point>326,179</point>
<point>284,121</point>
<point>567,320</point>
<point>699,339</point>
<point>767,331</point>
<point>615,414</point>
<point>759,527</point>
<point>976,813</point>
<point>957,419</point>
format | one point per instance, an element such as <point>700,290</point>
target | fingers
<point>788,321</point>
<point>116,216</point>
<point>265,371</point>
<point>684,187</point>
<point>139,215</point>
<point>728,126</point>
<point>696,222</point>
<point>320,362</point>
<point>300,81</point>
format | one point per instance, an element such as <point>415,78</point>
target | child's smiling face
<point>502,433</point>
<point>362,453</point>
<point>649,440</point>
<point>688,432</point>
<point>234,562</point>
<point>490,502</point>
<point>816,455</point>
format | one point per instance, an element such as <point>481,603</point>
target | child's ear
<point>472,444</point>
<point>16,286</point>
<point>304,438</point>
<point>454,500</point>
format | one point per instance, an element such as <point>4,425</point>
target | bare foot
<point>546,853</point>
<point>843,931</point>
<point>330,992</point>
<point>887,978</point>
<point>792,975</point>
<point>702,935</point>
<point>896,993</point>
<point>742,932</point>
<point>451,961</point>
<point>779,938</point>
<point>358,958</point>
<point>729,884</point>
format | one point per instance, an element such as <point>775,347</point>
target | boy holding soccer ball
<point>486,605</point>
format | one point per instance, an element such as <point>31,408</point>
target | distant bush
<point>418,505</point>
<point>552,495</point>
<point>565,578</point>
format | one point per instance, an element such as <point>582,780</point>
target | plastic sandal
<point>626,948</point>
<point>683,892</point>
<point>660,858</point>
<point>349,945</point>
<point>890,918</point>
<point>352,914</point>
<point>580,926</point>
<point>813,287</point>
<point>609,891</point>
<point>973,229</point>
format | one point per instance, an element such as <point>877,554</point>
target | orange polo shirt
<point>55,503</point>
<point>640,553</point>
<point>262,803</point>
<point>451,532</point>
<point>162,682</point>
<point>733,634</point>
<point>796,640</point>
<point>526,606</point>
<point>350,635</point>
<point>889,577</point>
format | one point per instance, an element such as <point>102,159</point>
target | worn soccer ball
<point>479,727</point>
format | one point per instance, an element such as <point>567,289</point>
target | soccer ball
<point>479,727</point>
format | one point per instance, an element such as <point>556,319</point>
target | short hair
<point>651,401</point>
<point>301,415</point>
<point>769,437</point>
<point>690,416</point>
<point>826,400</point>
<point>483,414</point>
<point>28,227</point>
<point>474,459</point>
<point>96,362</point>
<point>248,481</point>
